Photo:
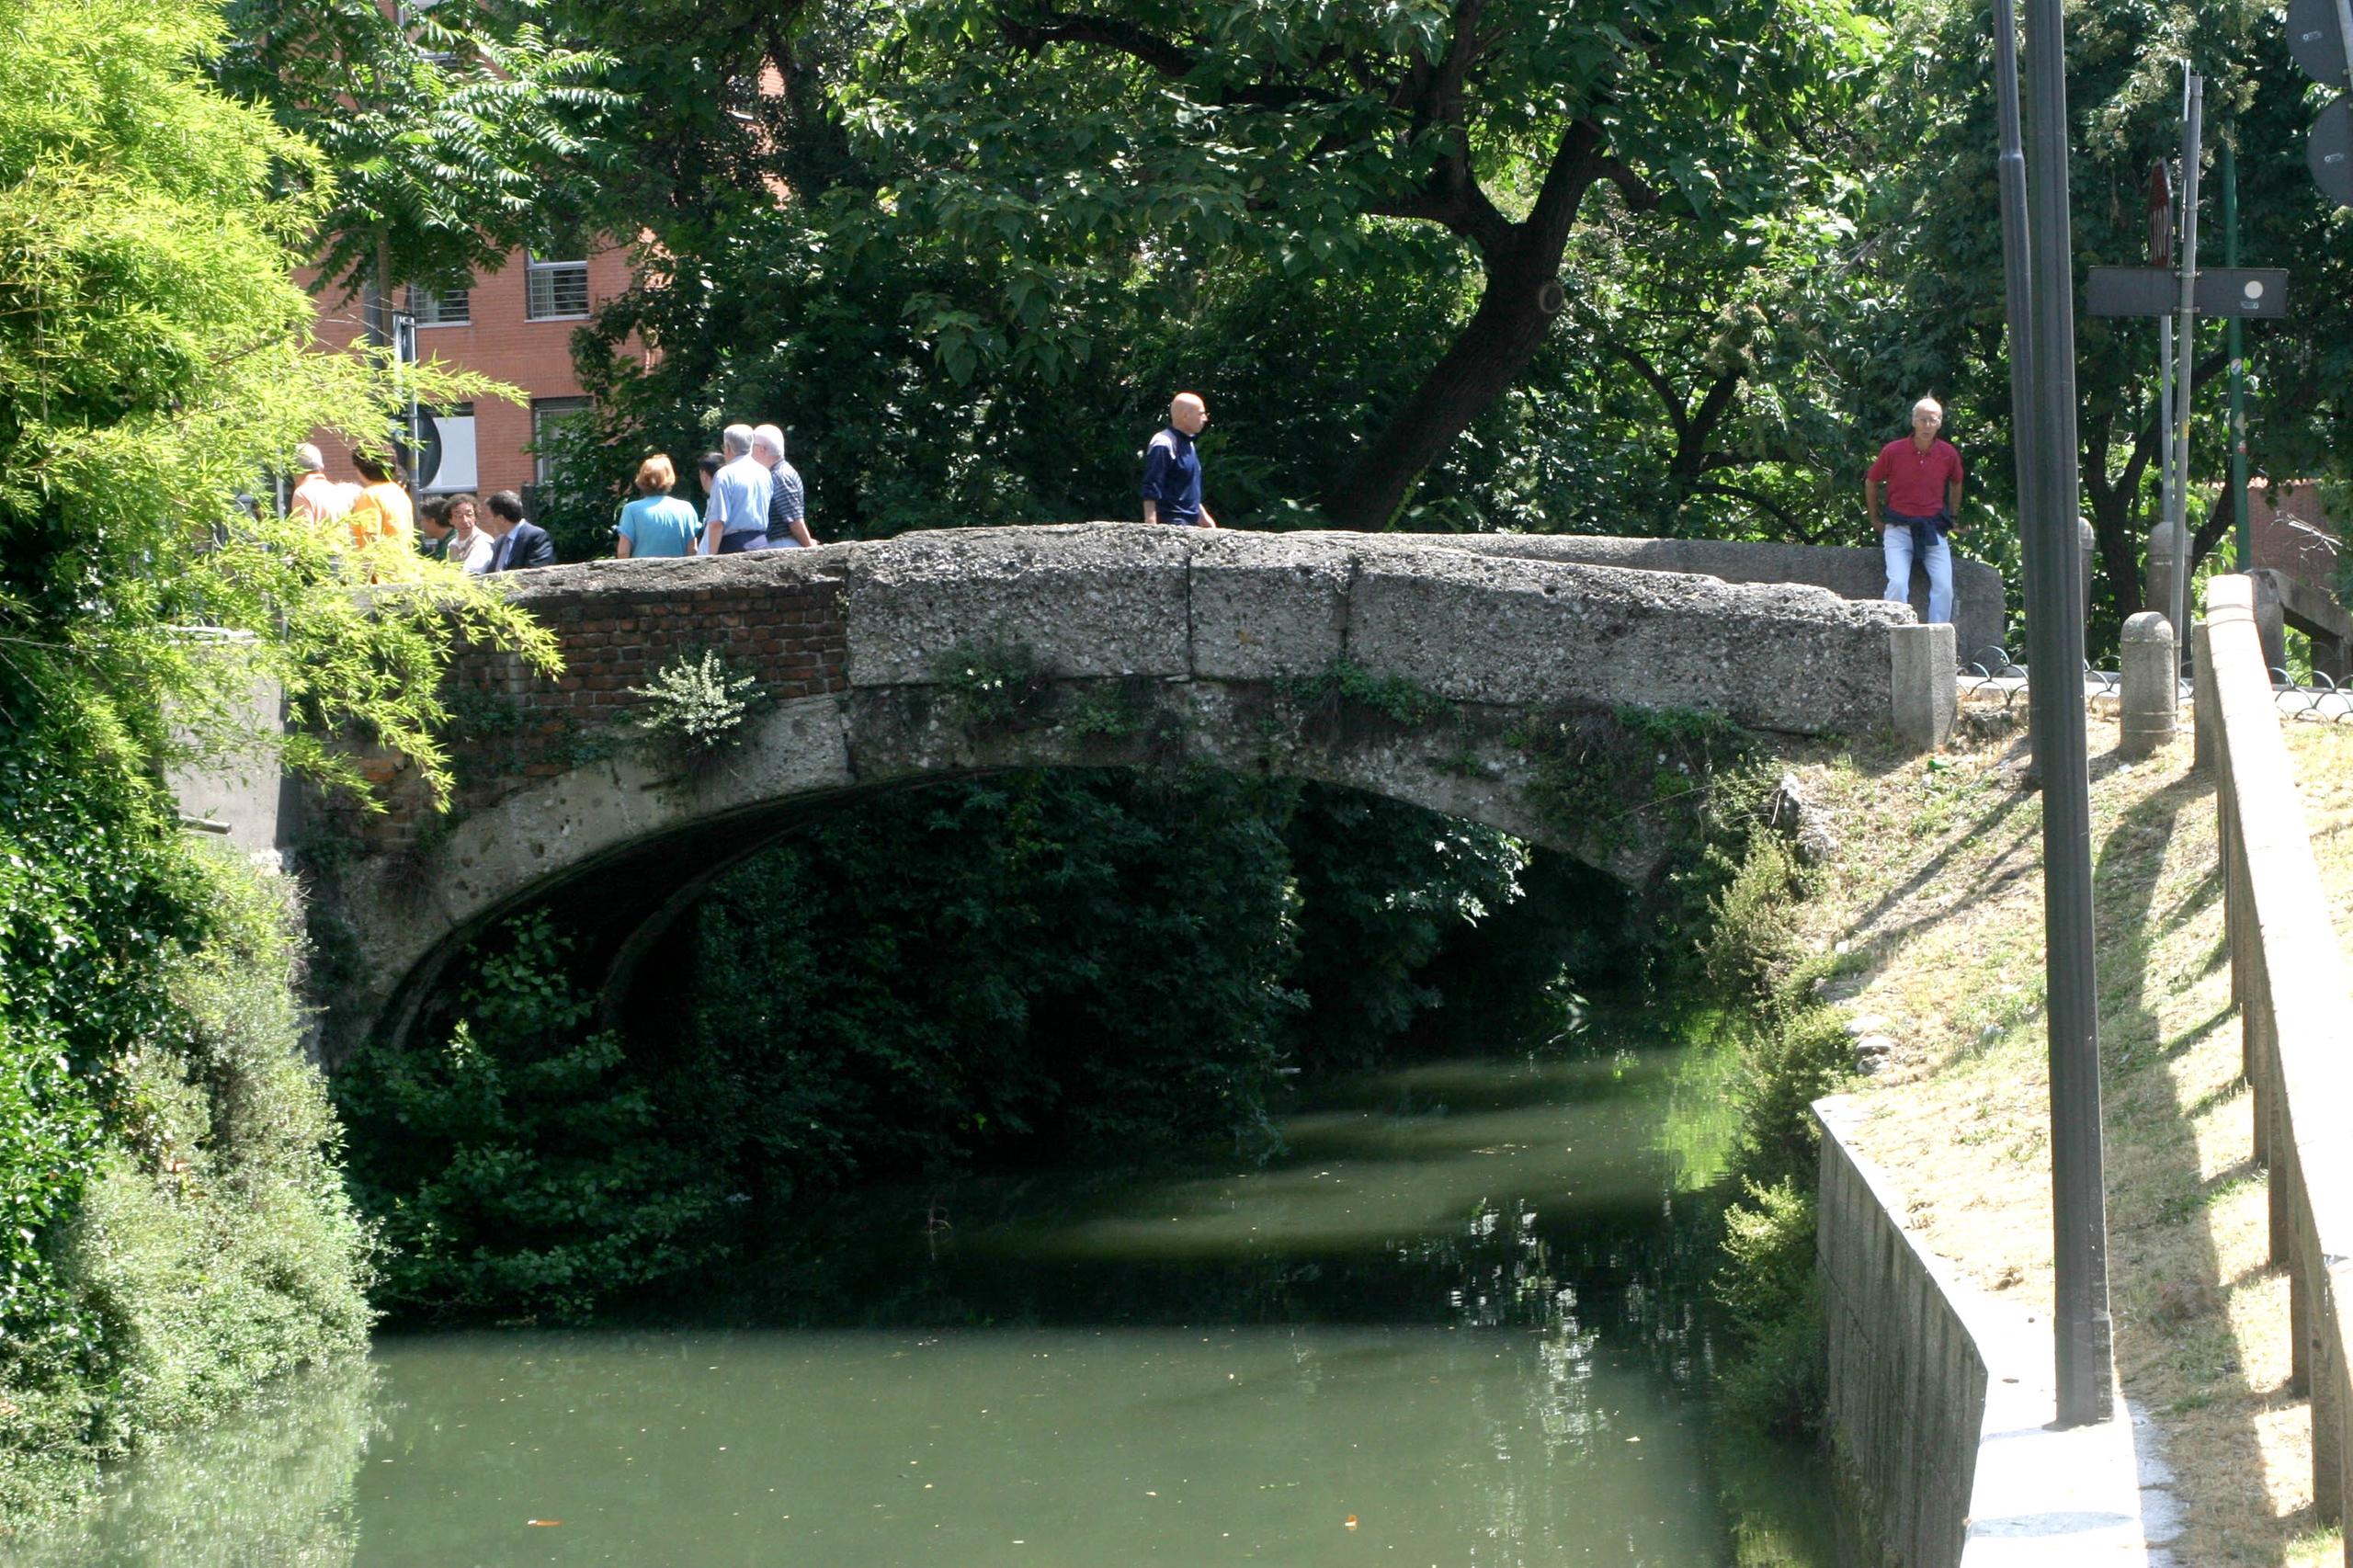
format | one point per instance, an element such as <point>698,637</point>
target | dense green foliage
<point>176,1176</point>
<point>450,130</point>
<point>172,1223</point>
<point>1010,232</point>
<point>522,1166</point>
<point>1794,1050</point>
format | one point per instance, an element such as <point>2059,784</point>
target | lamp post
<point>2056,642</point>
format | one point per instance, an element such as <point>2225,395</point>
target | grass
<point>1934,910</point>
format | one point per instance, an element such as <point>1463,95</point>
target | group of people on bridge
<point>753,499</point>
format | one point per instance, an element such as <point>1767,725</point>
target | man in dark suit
<point>521,544</point>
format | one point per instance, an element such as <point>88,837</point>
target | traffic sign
<point>2316,40</point>
<point>2329,153</point>
<point>2257,293</point>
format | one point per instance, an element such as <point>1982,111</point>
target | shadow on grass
<point>1933,870</point>
<point>2159,1245</point>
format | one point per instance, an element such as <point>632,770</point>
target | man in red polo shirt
<point>1912,492</point>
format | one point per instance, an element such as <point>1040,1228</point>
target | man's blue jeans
<point>1895,540</point>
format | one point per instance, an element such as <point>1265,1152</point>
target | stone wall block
<point>1854,573</point>
<point>1087,600</point>
<point>1267,606</point>
<point>1481,629</point>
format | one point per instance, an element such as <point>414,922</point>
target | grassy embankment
<point>1935,902</point>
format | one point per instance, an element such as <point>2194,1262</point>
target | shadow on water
<point>1466,1306</point>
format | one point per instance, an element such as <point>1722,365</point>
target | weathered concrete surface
<point>1153,646</point>
<point>247,799</point>
<point>1927,688</point>
<point>2280,602</point>
<point>2151,684</point>
<point>1941,1401</point>
<point>2290,979</point>
<point>1979,613</point>
<point>1086,601</point>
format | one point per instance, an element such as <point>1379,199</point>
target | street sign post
<point>2243,293</point>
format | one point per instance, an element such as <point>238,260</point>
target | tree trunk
<point>2120,557</point>
<point>1516,309</point>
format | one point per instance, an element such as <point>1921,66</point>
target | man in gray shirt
<point>736,516</point>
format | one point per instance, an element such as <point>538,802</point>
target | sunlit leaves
<point>452,140</point>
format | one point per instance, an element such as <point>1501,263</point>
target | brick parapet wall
<point>511,725</point>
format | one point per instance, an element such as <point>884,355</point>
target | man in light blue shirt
<point>736,516</point>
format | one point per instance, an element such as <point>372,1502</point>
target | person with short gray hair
<point>788,519</point>
<point>1912,492</point>
<point>735,519</point>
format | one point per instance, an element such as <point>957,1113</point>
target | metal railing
<point>2287,980</point>
<point>1991,674</point>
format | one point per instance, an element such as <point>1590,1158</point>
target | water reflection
<point>272,1489</point>
<point>1458,1323</point>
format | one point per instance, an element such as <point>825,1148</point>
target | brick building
<point>515,325</point>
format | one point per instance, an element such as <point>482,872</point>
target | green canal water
<point>1457,1321</point>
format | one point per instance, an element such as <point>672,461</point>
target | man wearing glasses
<point>1172,469</point>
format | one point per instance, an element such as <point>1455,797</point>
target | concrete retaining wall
<point>1907,1380</point>
<point>2289,979</point>
<point>1941,1399</point>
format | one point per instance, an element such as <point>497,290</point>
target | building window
<point>550,415</point>
<point>450,307</point>
<point>555,290</point>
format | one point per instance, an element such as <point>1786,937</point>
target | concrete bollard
<point>2151,684</point>
<point>1925,684</point>
<point>2087,550</point>
<point>2270,620</point>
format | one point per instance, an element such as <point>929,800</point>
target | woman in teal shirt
<point>657,523</point>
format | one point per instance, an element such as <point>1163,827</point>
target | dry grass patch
<point>1935,902</point>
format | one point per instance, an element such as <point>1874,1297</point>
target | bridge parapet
<point>1125,600</point>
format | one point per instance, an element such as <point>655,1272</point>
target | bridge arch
<point>1441,676</point>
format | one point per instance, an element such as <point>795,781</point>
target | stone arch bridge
<point>1462,673</point>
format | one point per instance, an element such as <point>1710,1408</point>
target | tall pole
<point>2055,631</point>
<point>2026,424</point>
<point>2192,131</point>
<point>2237,343</point>
<point>2165,423</point>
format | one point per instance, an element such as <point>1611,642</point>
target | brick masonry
<point>511,726</point>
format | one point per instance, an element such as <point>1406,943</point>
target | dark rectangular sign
<point>2260,293</point>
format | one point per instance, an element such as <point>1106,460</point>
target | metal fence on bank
<point>1990,675</point>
